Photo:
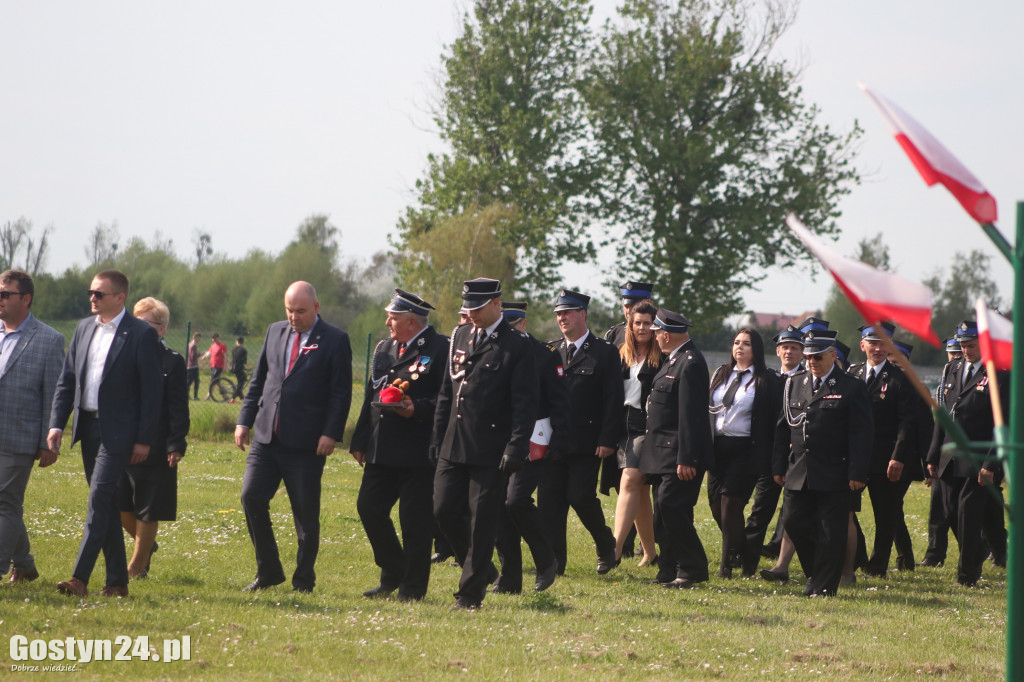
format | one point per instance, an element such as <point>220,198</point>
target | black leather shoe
<point>379,591</point>
<point>775,576</point>
<point>904,563</point>
<point>499,588</point>
<point>261,584</point>
<point>933,563</point>
<point>607,562</point>
<point>809,588</point>
<point>873,572</point>
<point>545,578</point>
<point>680,584</point>
<point>439,557</point>
<point>466,604</point>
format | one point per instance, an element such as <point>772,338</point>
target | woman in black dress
<point>148,491</point>
<point>745,401</point>
<point>640,358</point>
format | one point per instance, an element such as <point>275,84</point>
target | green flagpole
<point>1014,467</point>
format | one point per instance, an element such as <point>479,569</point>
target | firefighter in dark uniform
<point>521,519</point>
<point>822,451</point>
<point>485,415</point>
<point>591,367</point>
<point>678,450</point>
<point>632,293</point>
<point>391,440</point>
<point>967,394</point>
<point>893,415</point>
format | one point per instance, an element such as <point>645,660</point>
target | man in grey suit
<point>112,379</point>
<point>31,354</point>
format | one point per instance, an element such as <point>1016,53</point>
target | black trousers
<point>481,490</point>
<point>887,507</point>
<point>192,380</point>
<point>102,532</point>
<point>938,527</point>
<point>766,501</point>
<point>674,501</point>
<point>266,466</point>
<point>403,565</point>
<point>904,545</point>
<point>964,499</point>
<point>239,384</point>
<point>817,522</point>
<point>572,482</point>
<point>520,519</point>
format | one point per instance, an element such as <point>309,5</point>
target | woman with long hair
<point>641,358</point>
<point>746,398</point>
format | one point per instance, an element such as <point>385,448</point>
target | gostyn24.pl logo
<point>71,650</point>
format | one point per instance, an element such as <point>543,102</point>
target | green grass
<point>586,625</point>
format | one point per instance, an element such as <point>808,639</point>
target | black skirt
<point>734,469</point>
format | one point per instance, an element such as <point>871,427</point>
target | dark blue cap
<point>513,310</point>
<point>842,352</point>
<point>903,346</point>
<point>967,330</point>
<point>571,300</point>
<point>404,302</point>
<point>953,345</point>
<point>813,323</point>
<point>671,322</point>
<point>637,291</point>
<point>476,293</point>
<point>869,333</point>
<point>819,340</point>
<point>790,334</point>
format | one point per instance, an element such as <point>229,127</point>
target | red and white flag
<point>877,295</point>
<point>995,336</point>
<point>933,161</point>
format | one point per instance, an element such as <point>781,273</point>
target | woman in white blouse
<point>745,403</point>
<point>641,358</point>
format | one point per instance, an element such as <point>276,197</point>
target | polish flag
<point>933,161</point>
<point>995,336</point>
<point>877,295</point>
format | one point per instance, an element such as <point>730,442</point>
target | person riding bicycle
<point>239,356</point>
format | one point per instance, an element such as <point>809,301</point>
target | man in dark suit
<point>485,415</point>
<point>296,409</point>
<point>967,394</point>
<point>391,442</point>
<point>822,451</point>
<point>31,355</point>
<point>678,450</point>
<point>521,519</point>
<point>893,415</point>
<point>112,380</point>
<point>591,366</point>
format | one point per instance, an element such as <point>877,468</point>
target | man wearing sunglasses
<point>31,354</point>
<point>112,380</point>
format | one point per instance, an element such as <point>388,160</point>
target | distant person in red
<point>216,354</point>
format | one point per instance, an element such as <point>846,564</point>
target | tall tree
<point>966,281</point>
<point>202,245</point>
<point>16,234</point>
<point>706,144</point>
<point>102,244</point>
<point>511,114</point>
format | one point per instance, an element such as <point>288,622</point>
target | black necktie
<point>817,384</point>
<point>970,373</point>
<point>872,373</point>
<point>570,350</point>
<point>478,338</point>
<point>730,393</point>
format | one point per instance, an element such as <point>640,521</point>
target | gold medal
<point>415,376</point>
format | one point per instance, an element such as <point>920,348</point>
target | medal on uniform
<point>424,359</point>
<point>884,387</point>
<point>415,376</point>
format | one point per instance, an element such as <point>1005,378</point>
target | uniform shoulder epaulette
<point>551,346</point>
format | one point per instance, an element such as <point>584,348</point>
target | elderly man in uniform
<point>678,449</point>
<point>893,416</point>
<point>391,441</point>
<point>967,394</point>
<point>591,366</point>
<point>822,451</point>
<point>485,414</point>
<point>521,519</point>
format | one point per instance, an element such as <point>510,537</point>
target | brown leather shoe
<point>74,587</point>
<point>23,576</point>
<point>115,591</point>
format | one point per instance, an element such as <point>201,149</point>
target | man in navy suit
<point>112,379</point>
<point>294,414</point>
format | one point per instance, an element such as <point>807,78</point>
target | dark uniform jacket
<point>387,438</point>
<point>616,334</point>
<point>487,406</point>
<point>893,413</point>
<point>832,446</point>
<point>554,395</point>
<point>763,419</point>
<point>678,430</point>
<point>595,395</point>
<point>971,407</point>
<point>174,420</point>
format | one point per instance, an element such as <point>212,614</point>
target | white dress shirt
<point>96,358</point>
<point>735,419</point>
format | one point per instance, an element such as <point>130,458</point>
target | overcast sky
<point>242,118</point>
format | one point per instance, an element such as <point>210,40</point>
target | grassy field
<point>597,627</point>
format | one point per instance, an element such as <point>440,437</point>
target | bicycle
<point>222,390</point>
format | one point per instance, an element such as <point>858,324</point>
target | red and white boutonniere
<point>306,349</point>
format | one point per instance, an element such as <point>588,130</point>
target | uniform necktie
<point>817,384</point>
<point>970,373</point>
<point>730,393</point>
<point>295,352</point>
<point>478,338</point>
<point>872,373</point>
<point>570,350</point>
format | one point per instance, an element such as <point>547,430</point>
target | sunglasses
<point>7,294</point>
<point>100,294</point>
